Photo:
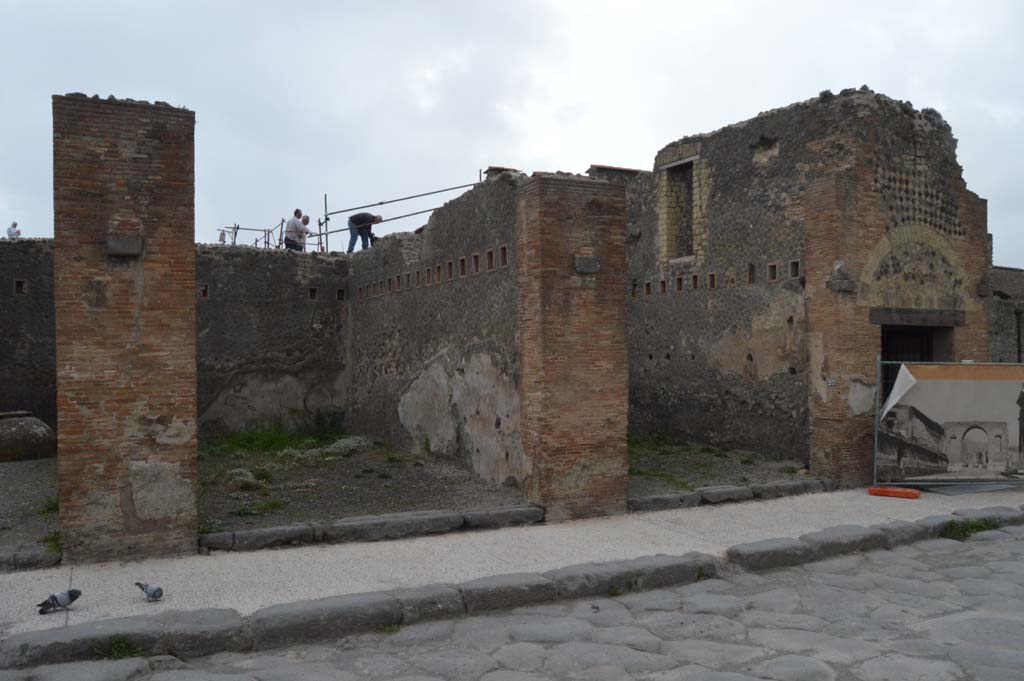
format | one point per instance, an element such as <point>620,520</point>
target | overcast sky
<point>367,101</point>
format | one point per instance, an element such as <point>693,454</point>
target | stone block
<point>769,553</point>
<point>23,436</point>
<point>1004,515</point>
<point>267,537</point>
<point>107,670</point>
<point>197,633</point>
<point>392,526</point>
<point>594,579</point>
<point>900,532</point>
<point>220,541</point>
<point>690,499</point>
<point>660,571</point>
<point>502,517</point>
<point>503,592</point>
<point>77,642</point>
<point>124,245</point>
<point>936,523</point>
<point>813,485</point>
<point>586,264</point>
<point>436,601</point>
<point>842,539</point>
<point>777,488</point>
<point>655,502</point>
<point>722,493</point>
<point>325,618</point>
<point>29,557</point>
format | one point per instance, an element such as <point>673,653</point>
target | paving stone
<point>903,668</point>
<point>375,666</point>
<point>288,670</point>
<point>717,676</point>
<point>712,654</point>
<point>113,670</point>
<point>837,565</point>
<point>509,675</point>
<point>793,668</point>
<point>825,647</point>
<point>511,516</point>
<point>506,591</point>
<point>424,632</point>
<point>785,599</point>
<point>603,612</point>
<point>714,604</point>
<point>679,626</point>
<point>782,620</point>
<point>549,630</point>
<point>196,675</point>
<point>989,535</point>
<point>842,539</point>
<point>482,633</point>
<point>769,554</point>
<point>456,665</point>
<point>523,657</point>
<point>607,672</point>
<point>634,637</point>
<point>642,601</point>
<point>722,493</point>
<point>575,655</point>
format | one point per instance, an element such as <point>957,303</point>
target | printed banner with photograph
<point>953,423</point>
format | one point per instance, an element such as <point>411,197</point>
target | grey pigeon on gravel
<point>58,600</point>
<point>152,591</point>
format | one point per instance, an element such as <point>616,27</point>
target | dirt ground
<point>659,465</point>
<point>266,479</point>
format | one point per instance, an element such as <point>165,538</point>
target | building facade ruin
<point>739,294</point>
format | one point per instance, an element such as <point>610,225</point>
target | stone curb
<point>27,557</point>
<point>730,493</point>
<point>203,632</point>
<point>372,528</point>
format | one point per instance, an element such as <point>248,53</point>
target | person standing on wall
<point>305,224</point>
<point>14,233</point>
<point>294,232</point>
<point>360,226</point>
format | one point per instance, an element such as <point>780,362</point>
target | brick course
<point>125,328</point>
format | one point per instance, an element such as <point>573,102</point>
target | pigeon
<point>152,591</point>
<point>59,600</point>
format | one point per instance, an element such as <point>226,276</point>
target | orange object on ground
<point>901,492</point>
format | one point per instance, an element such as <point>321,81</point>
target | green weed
<point>960,530</point>
<point>119,648</point>
<point>52,542</point>
<point>49,507</point>
<point>389,629</point>
<point>267,441</point>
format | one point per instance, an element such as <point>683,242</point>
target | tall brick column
<point>571,271</point>
<point>124,294</point>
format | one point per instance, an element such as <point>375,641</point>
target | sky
<point>368,101</point>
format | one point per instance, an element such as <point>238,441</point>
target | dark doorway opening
<point>912,344</point>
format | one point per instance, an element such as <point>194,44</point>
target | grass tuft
<point>119,648</point>
<point>267,441</point>
<point>260,508</point>
<point>960,530</point>
<point>52,542</point>
<point>50,506</point>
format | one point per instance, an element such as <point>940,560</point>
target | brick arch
<point>914,267</point>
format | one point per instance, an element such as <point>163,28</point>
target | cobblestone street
<point>937,610</point>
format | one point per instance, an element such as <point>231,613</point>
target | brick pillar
<point>571,272</point>
<point>124,299</point>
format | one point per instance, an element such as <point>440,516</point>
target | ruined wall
<point>572,346</point>
<point>894,235</point>
<point>28,369</point>
<point>124,265</point>
<point>271,339</point>
<point>717,322</point>
<point>434,361</point>
<point>1005,310</point>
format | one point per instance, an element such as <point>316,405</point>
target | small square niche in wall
<point>20,287</point>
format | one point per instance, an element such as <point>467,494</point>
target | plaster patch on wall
<point>816,352</point>
<point>178,432</point>
<point>159,491</point>
<point>471,413</point>
<point>773,341</point>
<point>860,397</point>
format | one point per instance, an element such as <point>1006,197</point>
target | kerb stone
<point>660,571</point>
<point>196,633</point>
<point>503,517</point>
<point>592,579</point>
<point>900,532</point>
<point>655,502</point>
<point>934,524</point>
<point>267,537</point>
<point>503,592</point>
<point>836,541</point>
<point>1004,515</point>
<point>723,493</point>
<point>78,642</point>
<point>290,623</point>
<point>770,553</point>
<point>436,601</point>
<point>220,541</point>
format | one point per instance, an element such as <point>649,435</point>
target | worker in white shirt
<point>294,232</point>
<point>13,232</point>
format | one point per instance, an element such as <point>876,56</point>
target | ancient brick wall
<point>124,264</point>
<point>28,370</point>
<point>572,344</point>
<point>1006,314</point>
<point>434,365</point>
<point>272,338</point>
<point>894,233</point>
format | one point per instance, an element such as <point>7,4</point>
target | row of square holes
<point>773,275</point>
<point>433,276</point>
<point>204,292</point>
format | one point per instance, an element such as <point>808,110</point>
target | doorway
<point>912,344</point>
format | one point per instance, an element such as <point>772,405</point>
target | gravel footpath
<point>250,581</point>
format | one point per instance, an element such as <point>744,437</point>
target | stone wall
<point>272,338</point>
<point>1005,309</point>
<point>434,364</point>
<point>27,341</point>
<point>124,265</point>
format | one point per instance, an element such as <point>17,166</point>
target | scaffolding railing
<point>273,237</point>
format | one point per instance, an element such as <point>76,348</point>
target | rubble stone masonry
<point>124,300</point>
